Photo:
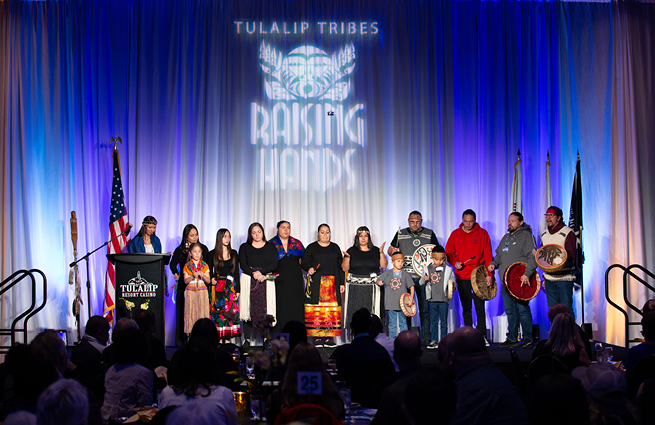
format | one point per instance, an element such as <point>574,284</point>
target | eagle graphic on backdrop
<point>307,72</point>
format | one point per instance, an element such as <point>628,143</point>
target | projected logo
<point>307,133</point>
<point>307,73</point>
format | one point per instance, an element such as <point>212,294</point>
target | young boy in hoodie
<point>438,276</point>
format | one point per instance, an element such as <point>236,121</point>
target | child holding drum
<point>396,282</point>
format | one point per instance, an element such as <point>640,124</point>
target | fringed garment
<point>362,292</point>
<point>257,299</point>
<point>196,301</point>
<point>324,319</point>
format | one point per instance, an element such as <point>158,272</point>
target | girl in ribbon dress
<point>225,290</point>
<point>178,261</point>
<point>196,277</point>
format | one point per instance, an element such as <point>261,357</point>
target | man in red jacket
<point>468,247</point>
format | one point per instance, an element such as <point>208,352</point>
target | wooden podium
<point>140,284</point>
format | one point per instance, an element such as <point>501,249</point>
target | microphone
<point>127,231</point>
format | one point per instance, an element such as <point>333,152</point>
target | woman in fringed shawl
<point>258,259</point>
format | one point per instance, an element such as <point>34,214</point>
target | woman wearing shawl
<point>258,259</point>
<point>289,285</point>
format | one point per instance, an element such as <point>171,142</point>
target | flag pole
<point>119,229</point>
<point>548,201</point>
<point>581,252</point>
<point>516,203</point>
<point>576,224</point>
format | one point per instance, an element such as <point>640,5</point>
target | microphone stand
<point>86,258</point>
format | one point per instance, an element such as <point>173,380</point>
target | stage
<point>312,111</point>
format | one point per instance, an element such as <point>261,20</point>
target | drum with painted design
<point>422,258</point>
<point>551,258</point>
<point>408,310</point>
<point>513,286</point>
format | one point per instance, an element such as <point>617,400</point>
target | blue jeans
<point>438,313</point>
<point>517,310</point>
<point>559,292</point>
<point>423,309</point>
<point>396,316</point>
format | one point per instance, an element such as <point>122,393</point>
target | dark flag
<point>575,223</point>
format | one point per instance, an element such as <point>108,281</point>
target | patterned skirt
<point>361,292</point>
<point>324,319</point>
<point>196,304</point>
<point>224,308</point>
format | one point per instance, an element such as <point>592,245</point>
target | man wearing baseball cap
<point>559,285</point>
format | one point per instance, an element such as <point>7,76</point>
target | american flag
<point>118,223</point>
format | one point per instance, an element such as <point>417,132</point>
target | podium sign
<point>140,284</point>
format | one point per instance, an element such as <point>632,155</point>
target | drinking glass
<point>609,353</point>
<point>256,406</point>
<point>598,348</point>
<point>240,403</point>
<point>346,396</point>
<point>250,368</point>
<point>332,366</point>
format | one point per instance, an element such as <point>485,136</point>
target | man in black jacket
<point>364,363</point>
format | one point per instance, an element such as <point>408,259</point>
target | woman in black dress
<point>258,259</point>
<point>363,261</point>
<point>180,258</point>
<point>322,261</point>
<point>224,293</point>
<point>289,285</point>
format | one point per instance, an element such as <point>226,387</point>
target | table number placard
<point>310,383</point>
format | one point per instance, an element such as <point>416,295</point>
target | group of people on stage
<point>265,278</point>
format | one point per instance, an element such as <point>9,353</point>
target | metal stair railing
<point>627,272</point>
<point>25,316</point>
